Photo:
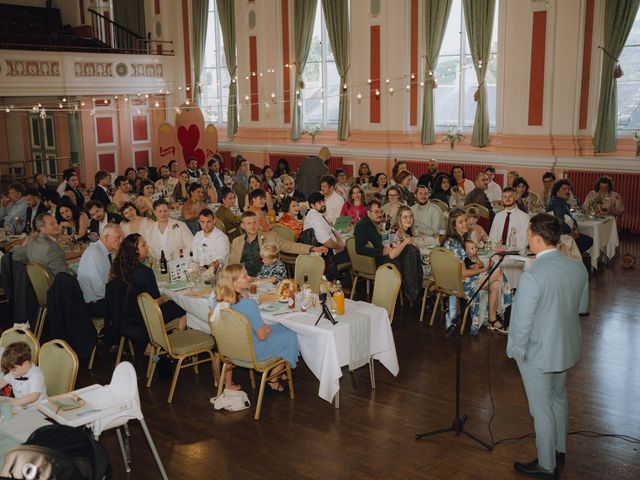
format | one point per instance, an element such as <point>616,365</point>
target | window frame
<point>208,97</point>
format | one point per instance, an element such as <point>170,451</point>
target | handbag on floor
<point>232,400</point>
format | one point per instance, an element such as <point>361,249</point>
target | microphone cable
<point>584,433</point>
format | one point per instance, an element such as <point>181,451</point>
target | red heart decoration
<point>188,139</point>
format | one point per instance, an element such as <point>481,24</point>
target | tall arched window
<point>321,93</point>
<point>629,83</point>
<point>456,79</point>
<point>215,76</point>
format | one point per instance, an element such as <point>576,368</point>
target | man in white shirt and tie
<point>332,198</point>
<point>210,246</point>
<point>508,219</point>
<point>94,268</point>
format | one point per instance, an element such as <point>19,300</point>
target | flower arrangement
<point>636,138</point>
<point>312,130</point>
<point>453,136</point>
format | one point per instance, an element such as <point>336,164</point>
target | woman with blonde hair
<point>268,341</point>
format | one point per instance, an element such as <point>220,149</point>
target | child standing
<point>25,378</point>
<point>272,270</point>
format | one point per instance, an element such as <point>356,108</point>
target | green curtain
<point>304,15</point>
<point>130,15</point>
<point>336,14</point>
<point>618,19</point>
<point>199,17</point>
<point>478,17</point>
<point>226,13</point>
<point>437,14</point>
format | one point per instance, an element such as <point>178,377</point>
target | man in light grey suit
<point>43,248</point>
<point>544,339</point>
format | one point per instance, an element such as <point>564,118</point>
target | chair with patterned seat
<point>180,345</point>
<point>233,337</point>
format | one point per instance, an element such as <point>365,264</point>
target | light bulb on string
<point>126,99</point>
<point>178,111</point>
<point>408,87</point>
<point>391,90</point>
<point>377,92</point>
<point>188,88</point>
<point>273,94</point>
<point>187,102</point>
<point>156,104</point>
<point>359,96</point>
<point>369,81</point>
<point>386,81</point>
<point>7,109</point>
<point>146,95</point>
<point>64,99</point>
<point>92,112</point>
<point>60,105</point>
<point>115,97</point>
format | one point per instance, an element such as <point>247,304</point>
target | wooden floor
<point>372,434</point>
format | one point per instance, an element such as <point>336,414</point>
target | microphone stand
<point>457,426</point>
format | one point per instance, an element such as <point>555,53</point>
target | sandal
<point>500,329</point>
<point>271,388</point>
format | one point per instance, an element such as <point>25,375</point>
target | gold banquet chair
<point>289,259</point>
<point>18,334</point>
<point>447,276</point>
<point>481,209</point>
<point>361,266</point>
<point>59,365</point>
<point>233,338</point>
<point>386,288</point>
<point>179,345</point>
<point>311,265</point>
<point>41,282</point>
<point>440,204</point>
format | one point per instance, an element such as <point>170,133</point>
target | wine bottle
<point>164,268</point>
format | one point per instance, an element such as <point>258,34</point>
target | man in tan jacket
<point>245,249</point>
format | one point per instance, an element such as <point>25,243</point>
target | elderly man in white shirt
<point>333,199</point>
<point>94,268</point>
<point>508,219</point>
<point>428,218</point>
<point>210,246</point>
<point>494,192</point>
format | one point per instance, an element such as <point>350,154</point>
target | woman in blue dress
<point>499,290</point>
<point>268,340</point>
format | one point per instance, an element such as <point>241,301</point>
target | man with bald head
<point>94,268</point>
<point>479,194</point>
<point>311,170</point>
<point>428,178</point>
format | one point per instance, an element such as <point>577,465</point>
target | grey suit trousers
<point>548,405</point>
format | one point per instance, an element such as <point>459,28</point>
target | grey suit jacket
<point>45,251</point>
<point>545,326</point>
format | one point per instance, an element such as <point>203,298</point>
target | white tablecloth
<point>17,430</point>
<point>605,237</point>
<point>325,347</point>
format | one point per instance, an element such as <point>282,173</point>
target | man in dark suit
<point>101,191</point>
<point>34,207</point>
<point>217,178</point>
<point>99,217</point>
<point>311,170</point>
<point>544,339</point>
<point>559,208</point>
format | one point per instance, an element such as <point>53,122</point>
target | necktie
<point>505,229</point>
<point>110,259</point>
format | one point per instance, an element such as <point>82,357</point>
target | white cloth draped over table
<point>604,232</point>
<point>325,348</point>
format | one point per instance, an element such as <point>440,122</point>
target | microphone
<point>505,253</point>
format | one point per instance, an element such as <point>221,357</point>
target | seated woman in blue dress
<point>268,341</point>
<point>498,287</point>
<point>128,266</point>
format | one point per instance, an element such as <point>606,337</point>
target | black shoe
<point>532,469</point>
<point>560,458</point>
